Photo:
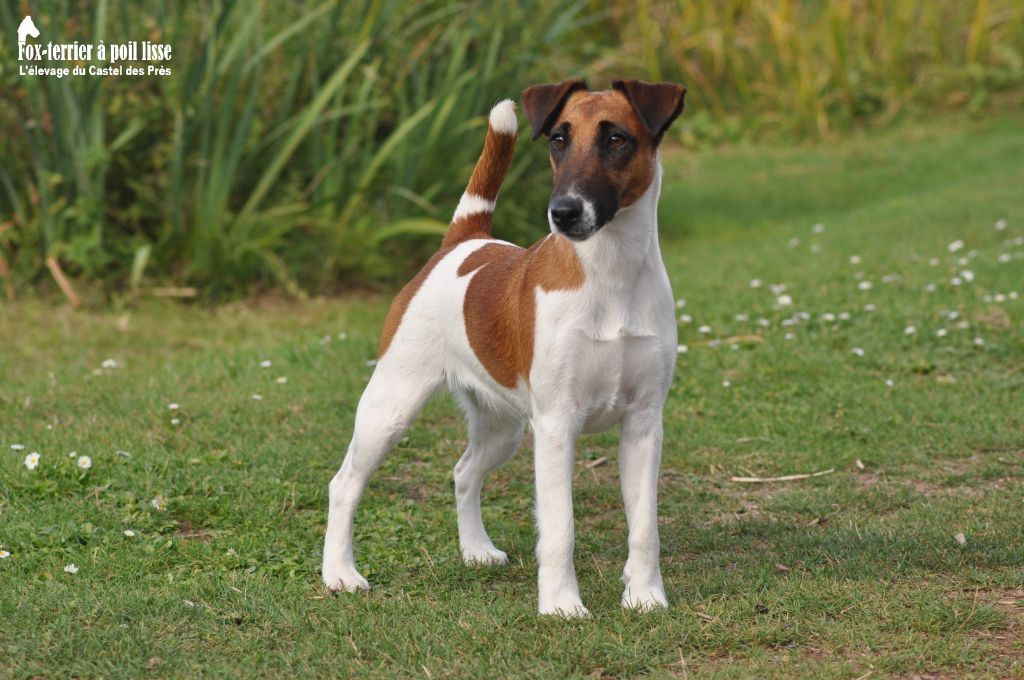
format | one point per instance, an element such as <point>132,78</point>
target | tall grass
<point>313,144</point>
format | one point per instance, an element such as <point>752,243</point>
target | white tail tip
<point>503,117</point>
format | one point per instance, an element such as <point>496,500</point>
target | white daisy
<point>32,461</point>
<point>1004,258</point>
<point>763,322</point>
<point>742,318</point>
<point>933,262</point>
<point>999,297</point>
<point>794,242</point>
<point>266,363</point>
<point>70,568</point>
<point>967,275</point>
<point>1000,225</point>
<point>979,342</point>
<point>159,503</point>
<point>941,333</point>
<point>704,330</point>
<point>930,288</point>
<point>844,316</point>
<point>110,363</point>
<point>869,307</point>
<point>129,533</point>
<point>790,336</point>
<point>173,406</point>
<point>175,421</point>
<point>859,351</point>
<point>784,300</point>
<point>17,447</point>
<point>682,349</point>
<point>963,325</point>
<point>828,316</point>
<point>955,281</point>
<point>909,330</point>
<point>282,380</point>
<point>818,228</point>
<point>342,335</point>
<point>855,259</point>
<point>685,318</point>
<point>889,382</point>
<point>680,303</point>
<point>726,383</point>
<point>4,554</point>
<point>257,397</point>
<point>84,462</point>
<point>755,283</point>
<point>865,285</point>
<point>955,246</point>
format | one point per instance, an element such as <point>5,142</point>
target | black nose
<point>565,211</point>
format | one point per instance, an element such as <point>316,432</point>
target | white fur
<point>503,117</point>
<point>603,354</point>
<point>471,203</point>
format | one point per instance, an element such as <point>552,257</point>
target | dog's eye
<point>616,141</point>
<point>558,141</point>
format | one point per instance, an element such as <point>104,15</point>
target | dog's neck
<point>627,247</point>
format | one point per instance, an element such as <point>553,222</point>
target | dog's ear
<point>543,103</point>
<point>656,104</point>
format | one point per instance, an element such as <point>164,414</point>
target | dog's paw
<point>338,579</point>
<point>564,607</point>
<point>483,555</point>
<point>644,599</point>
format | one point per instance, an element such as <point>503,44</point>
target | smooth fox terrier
<point>574,334</point>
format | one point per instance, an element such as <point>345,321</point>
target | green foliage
<point>316,144</point>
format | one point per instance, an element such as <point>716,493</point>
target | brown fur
<point>500,304</point>
<point>584,111</point>
<point>485,182</point>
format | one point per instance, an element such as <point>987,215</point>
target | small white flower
<point>173,406</point>
<point>909,330</point>
<point>855,259</point>
<point>4,554</point>
<point>865,285</point>
<point>955,246</point>
<point>257,397</point>
<point>804,315</point>
<point>844,316</point>
<point>159,503</point>
<point>952,314</point>
<point>343,336</point>
<point>955,281</point>
<point>790,336</point>
<point>869,307</point>
<point>778,288</point>
<point>32,461</point>
<point>282,380</point>
<point>129,533</point>
<point>1013,295</point>
<point>1000,225</point>
<point>889,382</point>
<point>17,447</point>
<point>726,383</point>
<point>84,462</point>
<point>979,342</point>
<point>828,316</point>
<point>70,569</point>
<point>266,363</point>
<point>685,318</point>
<point>963,325</point>
<point>755,283</point>
<point>763,322</point>
<point>859,351</point>
<point>794,242</point>
<point>734,346</point>
<point>680,303</point>
<point>941,333</point>
<point>1004,258</point>
<point>682,349</point>
<point>818,228</point>
<point>967,275</point>
<point>963,261</point>
<point>371,362</point>
<point>110,363</point>
<point>791,321</point>
<point>72,454</point>
<point>933,262</point>
<point>742,318</point>
<point>784,300</point>
<point>704,330</point>
<point>999,297</point>
<point>175,421</point>
<point>930,288</point>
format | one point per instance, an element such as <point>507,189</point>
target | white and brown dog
<point>575,334</point>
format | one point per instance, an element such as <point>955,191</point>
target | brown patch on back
<point>584,111</point>
<point>500,304</point>
<point>402,300</point>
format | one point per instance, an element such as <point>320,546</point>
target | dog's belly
<point>613,374</point>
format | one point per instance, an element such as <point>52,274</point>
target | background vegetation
<point>313,145</point>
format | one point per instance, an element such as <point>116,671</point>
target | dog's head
<point>603,146</point>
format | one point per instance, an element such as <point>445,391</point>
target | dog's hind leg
<point>392,399</point>
<point>493,438</point>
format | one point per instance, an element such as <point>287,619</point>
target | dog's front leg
<point>639,459</point>
<point>557,589</point>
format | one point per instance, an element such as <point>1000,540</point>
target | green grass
<point>851,573</point>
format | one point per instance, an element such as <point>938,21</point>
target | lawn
<point>892,358</point>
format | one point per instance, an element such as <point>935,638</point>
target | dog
<point>574,334</point>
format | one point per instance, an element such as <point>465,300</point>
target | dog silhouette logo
<point>27,27</point>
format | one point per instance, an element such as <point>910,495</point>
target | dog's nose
<point>565,211</point>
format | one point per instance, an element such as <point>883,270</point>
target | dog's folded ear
<point>657,104</point>
<point>543,103</point>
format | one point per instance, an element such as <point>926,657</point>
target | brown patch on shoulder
<point>500,304</point>
<point>402,300</point>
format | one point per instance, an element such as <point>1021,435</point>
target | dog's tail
<point>472,219</point>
